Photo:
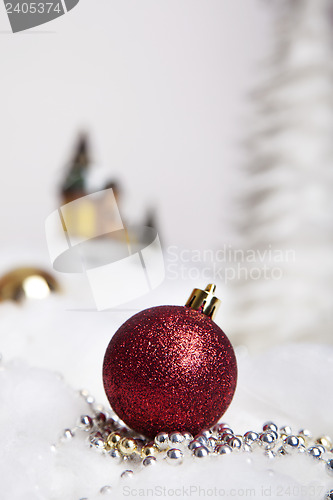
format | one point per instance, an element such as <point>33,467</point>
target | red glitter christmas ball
<point>169,368</point>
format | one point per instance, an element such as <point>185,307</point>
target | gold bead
<point>112,440</point>
<point>302,440</point>
<point>127,446</point>
<point>325,441</point>
<point>149,450</point>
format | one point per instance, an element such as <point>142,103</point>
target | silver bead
<point>187,436</point>
<point>250,437</point>
<point>162,440</point>
<point>281,451</point>
<point>314,452</point>
<point>291,443</point>
<point>207,433</point>
<point>216,428</point>
<point>126,474</point>
<point>99,444</point>
<point>201,452</point>
<point>212,442</point>
<point>223,449</point>
<point>329,495</point>
<point>106,490</point>
<point>235,443</point>
<point>305,433</point>
<point>68,434</point>
<point>267,440</point>
<point>86,396</point>
<point>225,430</point>
<point>274,434</point>
<point>98,408</point>
<point>149,461</point>
<point>84,393</point>
<point>85,423</point>
<point>176,438</point>
<point>329,466</point>
<point>100,418</point>
<point>112,424</point>
<point>174,456</point>
<point>286,429</point>
<point>93,437</point>
<point>115,455</point>
<point>202,439</point>
<point>219,427</point>
<point>225,436</point>
<point>270,426</point>
<point>321,448</point>
<point>106,431</point>
<point>194,444</point>
<point>269,454</point>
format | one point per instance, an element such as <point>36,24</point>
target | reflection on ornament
<point>171,368</point>
<point>27,283</point>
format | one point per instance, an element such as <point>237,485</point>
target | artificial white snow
<point>290,385</point>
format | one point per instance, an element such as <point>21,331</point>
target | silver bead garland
<point>109,436</point>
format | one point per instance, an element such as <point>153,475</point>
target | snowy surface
<point>52,350</point>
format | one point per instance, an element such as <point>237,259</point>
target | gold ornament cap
<point>204,301</point>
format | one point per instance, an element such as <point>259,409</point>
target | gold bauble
<point>27,283</point>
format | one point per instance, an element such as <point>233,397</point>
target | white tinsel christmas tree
<point>284,289</point>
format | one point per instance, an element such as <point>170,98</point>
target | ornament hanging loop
<point>204,301</point>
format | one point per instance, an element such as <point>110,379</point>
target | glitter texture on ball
<point>169,368</point>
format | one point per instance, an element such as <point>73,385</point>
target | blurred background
<point>159,87</point>
<point>211,120</point>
